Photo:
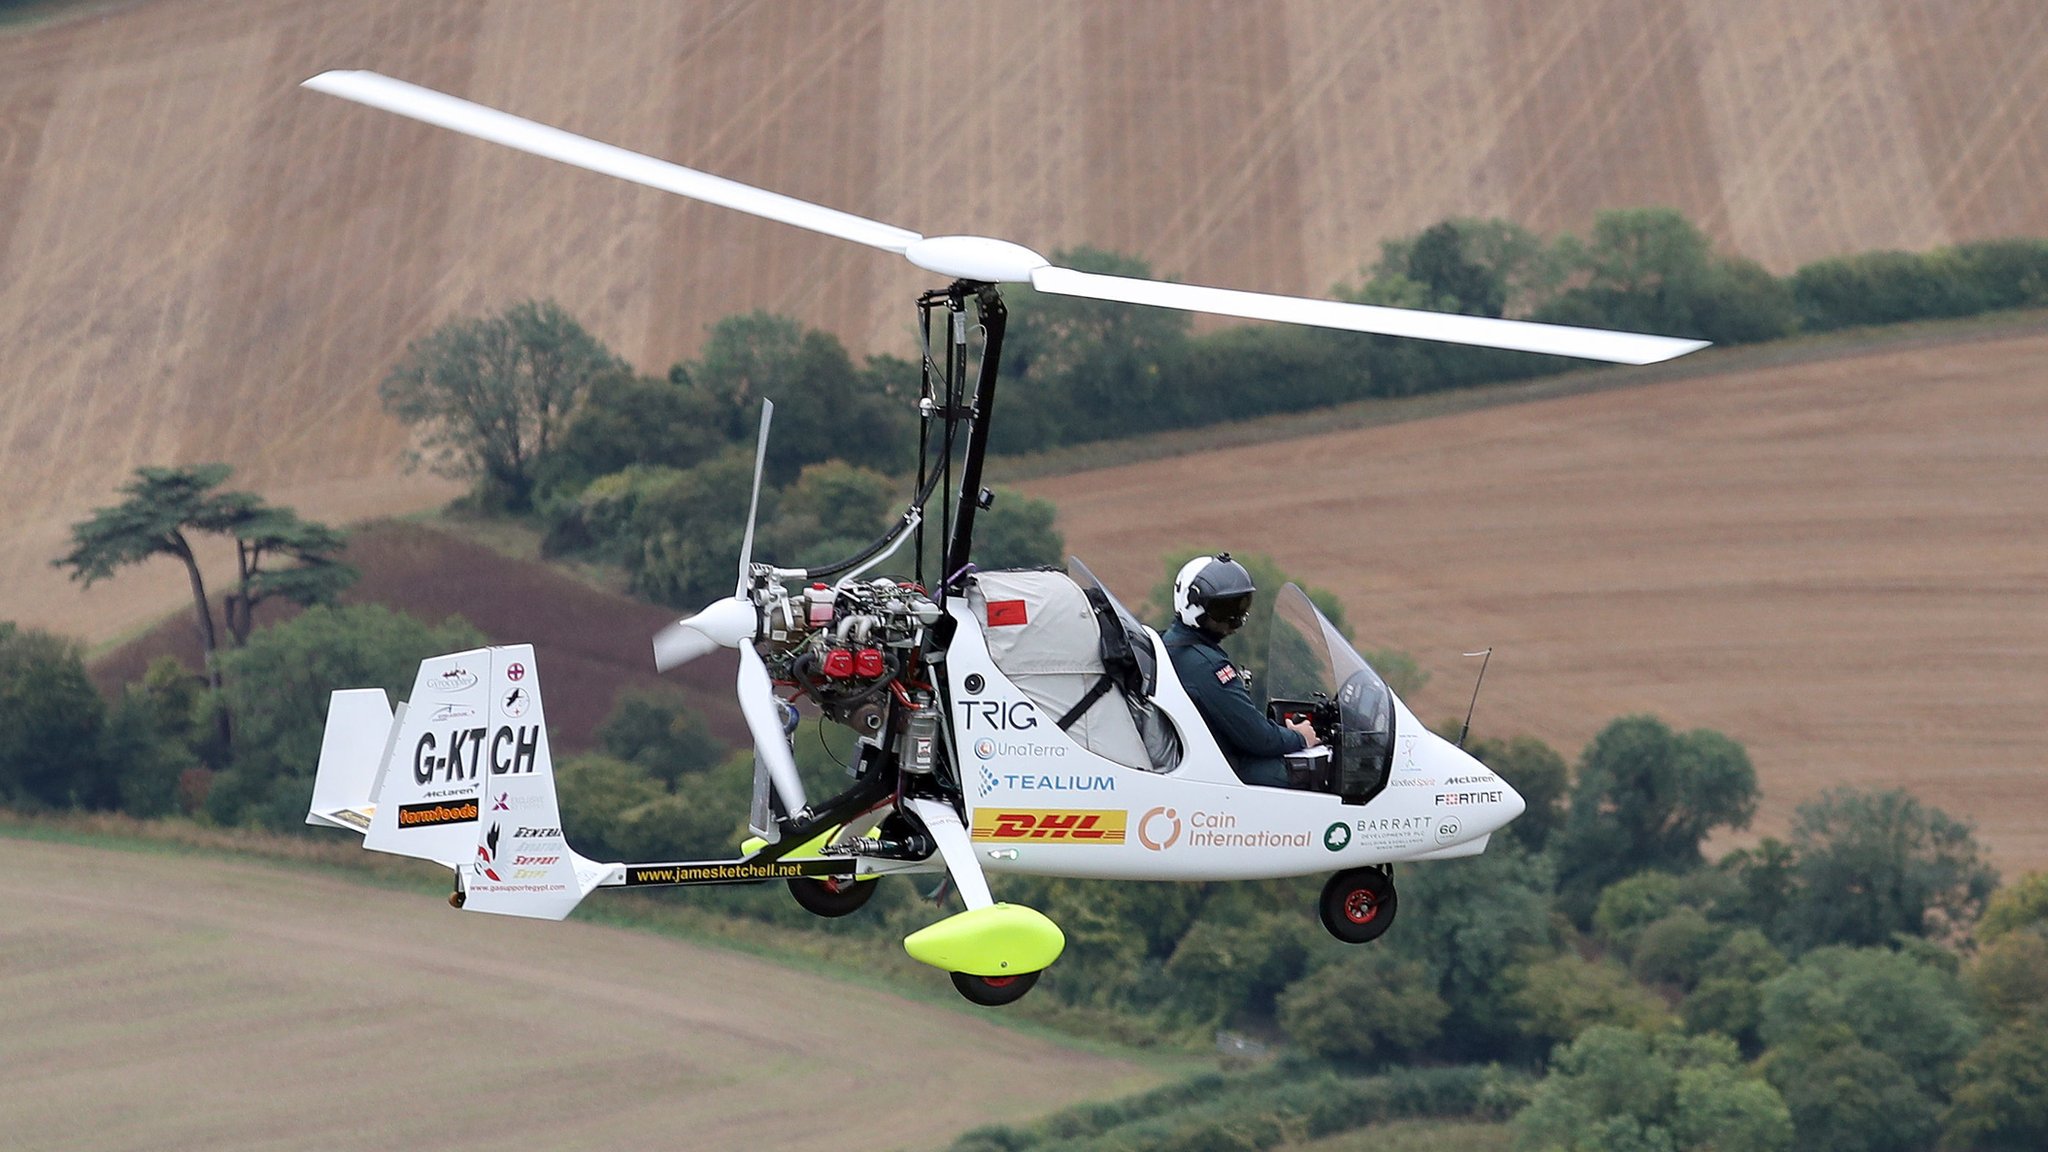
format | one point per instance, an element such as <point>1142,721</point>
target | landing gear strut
<point>1358,905</point>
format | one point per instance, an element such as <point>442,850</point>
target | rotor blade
<point>754,503</point>
<point>764,721</point>
<point>1483,331</point>
<point>380,91</point>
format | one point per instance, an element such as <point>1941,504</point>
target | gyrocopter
<point>1005,721</point>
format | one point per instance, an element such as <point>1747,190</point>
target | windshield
<point>1307,658</point>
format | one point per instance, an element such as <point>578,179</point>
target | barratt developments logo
<point>1079,825</point>
<point>1337,837</point>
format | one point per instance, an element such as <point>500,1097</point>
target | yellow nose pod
<point>999,940</point>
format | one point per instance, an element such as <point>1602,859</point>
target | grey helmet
<point>1213,586</point>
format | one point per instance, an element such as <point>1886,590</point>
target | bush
<point>1370,1006</point>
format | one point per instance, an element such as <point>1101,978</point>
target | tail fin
<point>427,798</point>
<point>522,864</point>
<point>354,750</point>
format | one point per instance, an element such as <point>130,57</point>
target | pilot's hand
<point>1307,732</point>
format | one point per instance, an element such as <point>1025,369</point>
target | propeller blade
<point>1482,331</point>
<point>979,257</point>
<point>754,502</point>
<point>764,720</point>
<point>425,104</point>
<point>727,623</point>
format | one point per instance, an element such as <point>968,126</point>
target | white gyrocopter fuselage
<point>988,742</point>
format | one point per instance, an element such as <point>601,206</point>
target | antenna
<point>1467,729</point>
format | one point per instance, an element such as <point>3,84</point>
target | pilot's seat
<point>1085,663</point>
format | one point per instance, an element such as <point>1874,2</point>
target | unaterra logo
<point>1084,826</point>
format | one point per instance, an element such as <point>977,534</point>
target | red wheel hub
<point>998,981</point>
<point>1360,906</point>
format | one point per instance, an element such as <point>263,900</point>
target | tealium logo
<point>988,780</point>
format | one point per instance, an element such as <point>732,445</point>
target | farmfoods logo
<point>442,812</point>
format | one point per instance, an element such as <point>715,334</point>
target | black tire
<point>994,991</point>
<point>1358,906</point>
<point>831,896</point>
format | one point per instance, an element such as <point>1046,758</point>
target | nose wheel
<point>994,991</point>
<point>1358,905</point>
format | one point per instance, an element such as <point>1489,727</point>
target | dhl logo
<point>1088,826</point>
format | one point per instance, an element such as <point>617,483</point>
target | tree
<point>278,688</point>
<point>50,723</point>
<point>1539,774</point>
<point>1645,799</point>
<point>165,506</point>
<point>1872,864</point>
<point>1617,1090</point>
<point>1474,923</point>
<point>1369,1005</point>
<point>1845,1097</point>
<point>661,734</point>
<point>492,394</point>
<point>1911,1013</point>
<point>2021,904</point>
<point>825,408</point>
<point>628,420</point>
<point>1560,996</point>
<point>2001,1099</point>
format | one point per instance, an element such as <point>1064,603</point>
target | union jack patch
<point>1226,674</point>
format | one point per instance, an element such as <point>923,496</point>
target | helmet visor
<point>1230,611</point>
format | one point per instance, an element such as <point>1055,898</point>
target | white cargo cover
<point>1055,656</point>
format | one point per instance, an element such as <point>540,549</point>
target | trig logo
<point>988,778</point>
<point>1159,829</point>
<point>986,749</point>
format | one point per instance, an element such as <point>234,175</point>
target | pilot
<point>1212,595</point>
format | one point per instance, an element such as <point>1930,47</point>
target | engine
<point>851,648</point>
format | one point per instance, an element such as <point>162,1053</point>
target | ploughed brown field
<point>200,261</point>
<point>1842,563</point>
<point>166,1001</point>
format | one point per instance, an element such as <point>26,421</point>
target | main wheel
<point>1358,905</point>
<point>831,896</point>
<point>994,991</point>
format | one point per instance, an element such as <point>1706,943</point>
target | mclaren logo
<point>1083,826</point>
